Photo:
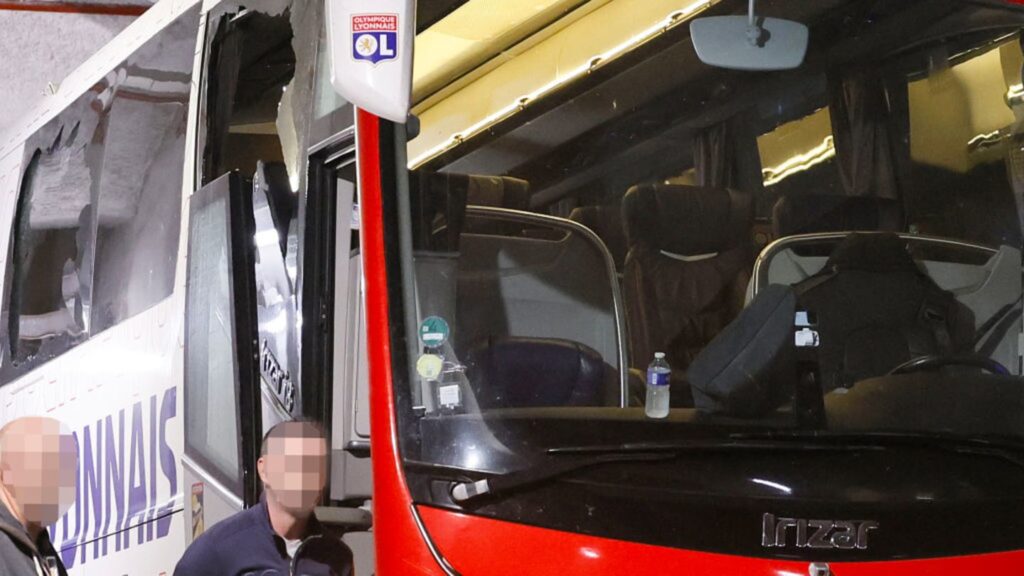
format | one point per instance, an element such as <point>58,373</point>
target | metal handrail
<point>773,249</point>
<point>509,214</point>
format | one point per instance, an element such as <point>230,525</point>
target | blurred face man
<point>266,538</point>
<point>293,468</point>
<point>38,471</point>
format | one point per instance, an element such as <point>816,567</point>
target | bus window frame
<point>33,149</point>
<point>241,275</point>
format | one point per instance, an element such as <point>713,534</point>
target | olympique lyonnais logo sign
<point>375,37</point>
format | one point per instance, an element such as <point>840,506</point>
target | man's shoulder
<point>239,521</point>
<point>14,559</point>
<point>219,537</point>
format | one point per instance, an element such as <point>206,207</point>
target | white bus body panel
<point>124,386</point>
<point>120,392</point>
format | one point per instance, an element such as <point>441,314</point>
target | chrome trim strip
<point>275,402</point>
<point>771,250</point>
<point>349,150</point>
<point>347,133</point>
<point>613,277</point>
<point>441,561</point>
<point>209,479</point>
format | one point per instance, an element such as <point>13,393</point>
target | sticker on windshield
<point>434,332</point>
<point>429,366</point>
<point>449,396</point>
<point>807,338</point>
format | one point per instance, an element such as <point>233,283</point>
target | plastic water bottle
<point>658,393</point>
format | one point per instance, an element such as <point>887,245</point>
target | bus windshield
<point>835,247</point>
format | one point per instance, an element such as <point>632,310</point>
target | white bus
<point>179,252</point>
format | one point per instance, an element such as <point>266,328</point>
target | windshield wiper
<point>1009,451</point>
<point>782,441</point>
<point>586,456</point>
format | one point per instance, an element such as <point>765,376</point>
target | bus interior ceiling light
<point>674,19</point>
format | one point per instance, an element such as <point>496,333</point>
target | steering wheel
<point>932,362</point>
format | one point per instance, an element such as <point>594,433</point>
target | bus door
<point>335,378</point>
<point>242,335</point>
<point>277,148</point>
<point>245,382</point>
<point>223,418</point>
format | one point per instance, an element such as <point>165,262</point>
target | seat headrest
<point>520,371</point>
<point>832,213</point>
<point>872,252</point>
<point>594,217</point>
<point>606,222</point>
<point>686,220</point>
<point>441,205</point>
<point>497,191</point>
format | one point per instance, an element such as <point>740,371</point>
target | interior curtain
<point>870,127</point>
<point>714,156</point>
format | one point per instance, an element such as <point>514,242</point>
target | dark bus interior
<point>706,186</point>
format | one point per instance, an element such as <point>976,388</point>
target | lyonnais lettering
<point>382,22</point>
<point>123,459</point>
<point>828,534</point>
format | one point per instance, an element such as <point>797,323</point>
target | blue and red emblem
<point>375,37</point>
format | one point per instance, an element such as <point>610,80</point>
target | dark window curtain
<point>714,156</point>
<point>870,127</point>
<point>725,155</point>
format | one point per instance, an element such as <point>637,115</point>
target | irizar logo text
<point>819,534</point>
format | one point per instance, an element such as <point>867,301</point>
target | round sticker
<point>434,332</point>
<point>429,366</point>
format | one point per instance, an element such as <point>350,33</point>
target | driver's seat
<point>875,309</point>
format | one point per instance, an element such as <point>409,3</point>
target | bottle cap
<point>659,355</point>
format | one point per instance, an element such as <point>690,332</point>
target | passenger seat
<point>606,222</point>
<point>805,214</point>
<point>687,267</point>
<point>532,372</point>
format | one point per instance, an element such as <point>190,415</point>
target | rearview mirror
<point>370,44</point>
<point>749,42</point>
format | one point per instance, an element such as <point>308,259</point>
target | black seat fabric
<point>876,309</point>
<point>498,191</point>
<point>824,213</point>
<point>748,369</point>
<point>519,372</point>
<point>606,222</point>
<point>687,267</point>
<point>440,207</point>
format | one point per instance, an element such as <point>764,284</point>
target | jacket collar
<point>16,530</point>
<point>313,527</point>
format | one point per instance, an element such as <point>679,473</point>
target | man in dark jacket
<point>38,472</point>
<point>263,540</point>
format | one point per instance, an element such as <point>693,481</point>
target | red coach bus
<point>580,287</point>
<point>814,213</point>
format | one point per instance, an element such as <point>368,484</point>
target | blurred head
<point>39,467</point>
<point>293,466</point>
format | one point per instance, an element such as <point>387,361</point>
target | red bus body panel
<point>482,546</point>
<point>400,548</point>
<point>476,546</point>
